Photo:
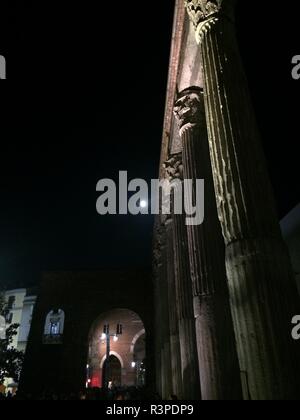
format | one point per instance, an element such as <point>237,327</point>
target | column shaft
<point>186,317</point>
<point>162,329</point>
<point>183,287</point>
<point>165,328</point>
<point>173,314</point>
<point>262,290</point>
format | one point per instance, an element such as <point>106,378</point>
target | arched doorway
<point>112,372</point>
<point>120,332</point>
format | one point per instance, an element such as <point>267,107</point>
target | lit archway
<point>127,351</point>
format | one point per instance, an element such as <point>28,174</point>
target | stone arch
<point>135,339</point>
<point>112,353</point>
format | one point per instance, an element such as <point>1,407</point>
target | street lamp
<point>107,336</point>
<point>88,380</point>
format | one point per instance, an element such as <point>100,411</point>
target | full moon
<point>144,204</point>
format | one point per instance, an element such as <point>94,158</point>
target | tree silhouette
<point>11,359</point>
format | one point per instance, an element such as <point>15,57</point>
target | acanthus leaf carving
<point>200,10</point>
<point>205,13</point>
<point>188,108</point>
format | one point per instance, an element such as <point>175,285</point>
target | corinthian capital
<point>204,13</point>
<point>189,108</point>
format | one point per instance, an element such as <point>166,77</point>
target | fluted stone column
<point>158,309</point>
<point>163,348</point>
<point>165,325</point>
<point>218,362</point>
<point>183,286</point>
<point>173,315</point>
<point>262,290</point>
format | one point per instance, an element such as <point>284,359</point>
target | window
<point>2,328</point>
<point>9,318</point>
<point>11,302</point>
<point>55,328</point>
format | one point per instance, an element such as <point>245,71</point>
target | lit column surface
<point>262,289</point>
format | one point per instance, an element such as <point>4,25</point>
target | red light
<point>96,381</point>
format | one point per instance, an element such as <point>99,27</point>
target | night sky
<point>85,99</point>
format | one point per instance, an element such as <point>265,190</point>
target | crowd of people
<point>92,394</point>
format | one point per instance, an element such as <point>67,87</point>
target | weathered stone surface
<point>173,167</point>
